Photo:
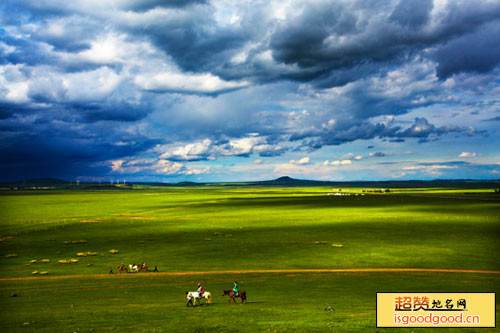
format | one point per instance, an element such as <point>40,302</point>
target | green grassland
<point>210,229</point>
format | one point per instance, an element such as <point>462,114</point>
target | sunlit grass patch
<point>67,261</point>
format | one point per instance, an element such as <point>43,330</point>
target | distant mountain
<point>288,181</point>
<point>38,182</point>
<point>189,184</point>
<point>456,183</point>
<point>46,182</point>
<point>284,181</point>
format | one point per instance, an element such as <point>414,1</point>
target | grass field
<point>210,229</point>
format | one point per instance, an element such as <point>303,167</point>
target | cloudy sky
<point>152,90</point>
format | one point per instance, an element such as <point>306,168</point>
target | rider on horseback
<point>200,290</point>
<point>235,289</point>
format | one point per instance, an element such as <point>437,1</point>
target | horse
<point>143,268</point>
<point>230,293</point>
<point>133,268</point>
<point>122,269</point>
<point>194,295</point>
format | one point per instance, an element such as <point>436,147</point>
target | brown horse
<point>122,269</point>
<point>242,294</point>
<point>143,268</point>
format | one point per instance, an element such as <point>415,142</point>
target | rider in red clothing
<point>200,290</point>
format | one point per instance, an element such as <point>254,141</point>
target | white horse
<point>133,268</point>
<point>194,296</point>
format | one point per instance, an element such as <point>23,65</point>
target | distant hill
<point>37,182</point>
<point>457,183</point>
<point>288,181</point>
<point>284,181</point>
<point>45,182</point>
<point>57,184</point>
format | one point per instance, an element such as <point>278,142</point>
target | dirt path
<point>278,271</point>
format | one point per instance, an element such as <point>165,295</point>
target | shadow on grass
<point>408,202</point>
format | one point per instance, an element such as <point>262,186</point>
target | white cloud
<point>105,50</point>
<point>338,162</point>
<point>243,146</point>
<point>158,166</point>
<point>434,170</point>
<point>302,161</point>
<point>167,167</point>
<point>467,155</point>
<point>210,150</point>
<point>187,83</point>
<point>348,156</point>
<point>191,151</point>
<point>116,165</point>
<point>13,84</point>
<point>268,150</point>
<point>196,171</point>
<point>429,167</point>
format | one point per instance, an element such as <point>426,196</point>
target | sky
<point>194,90</point>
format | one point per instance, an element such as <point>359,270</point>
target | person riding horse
<point>235,289</point>
<point>200,290</point>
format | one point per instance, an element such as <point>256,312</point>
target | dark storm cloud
<point>27,9</point>
<point>421,129</point>
<point>327,36</point>
<point>194,41</point>
<point>59,149</point>
<point>8,110</point>
<point>142,5</point>
<point>364,131</point>
<point>109,109</point>
<point>330,43</point>
<point>33,52</point>
<point>92,112</point>
<point>493,119</point>
<point>378,154</point>
<point>474,52</point>
<point>346,133</point>
<point>25,51</point>
<point>71,36</point>
<point>76,76</point>
<point>412,14</point>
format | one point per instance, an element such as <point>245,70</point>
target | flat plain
<point>295,250</point>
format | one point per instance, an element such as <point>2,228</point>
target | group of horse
<point>194,296</point>
<point>132,268</point>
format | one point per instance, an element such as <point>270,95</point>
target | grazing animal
<point>122,269</point>
<point>194,296</point>
<point>242,294</point>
